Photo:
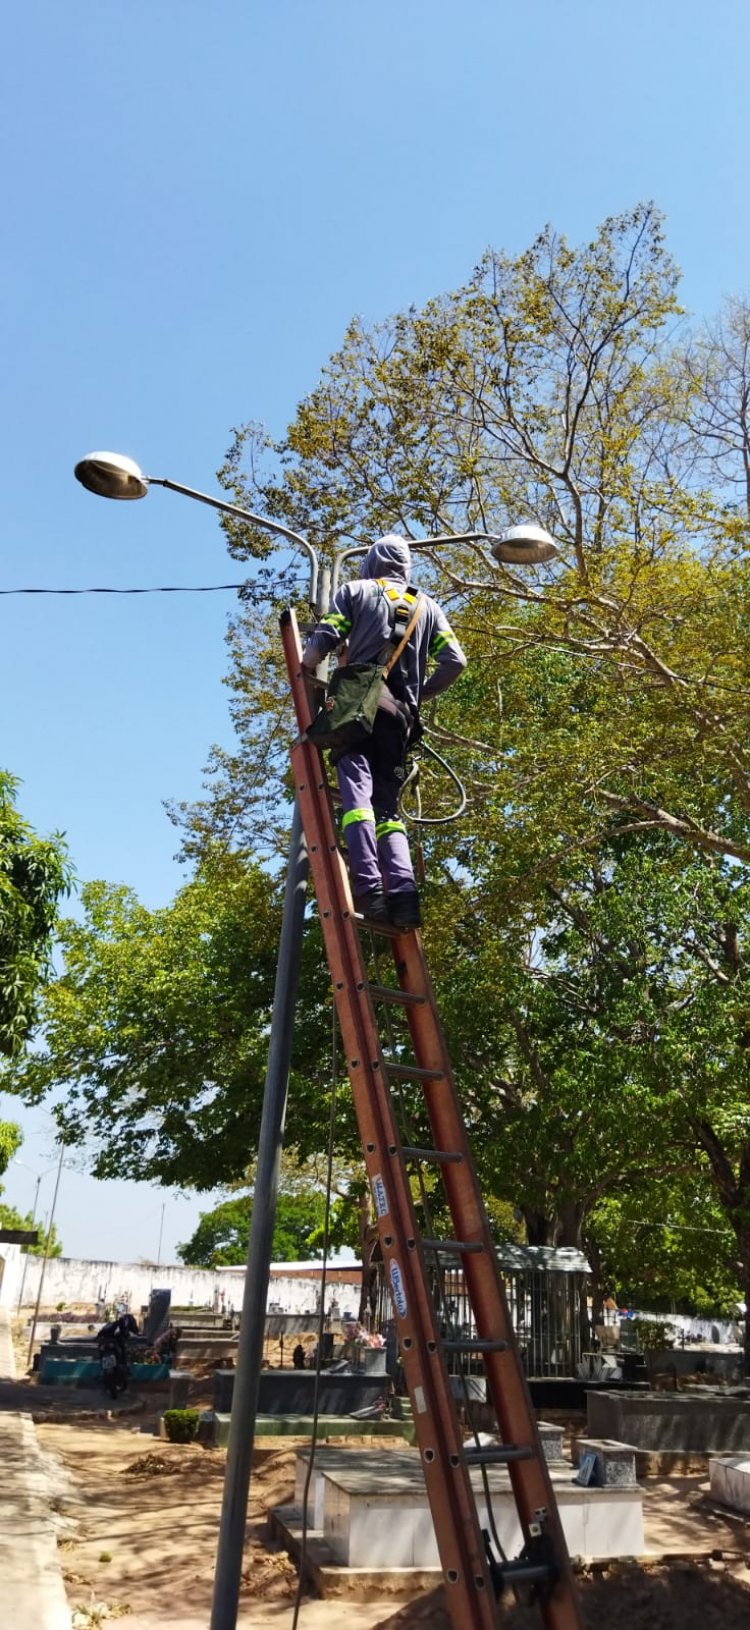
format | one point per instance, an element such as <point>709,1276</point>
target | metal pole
<point>240,514</point>
<point>26,1253</point>
<point>252,1325</point>
<point>161,1231</point>
<point>47,1244</point>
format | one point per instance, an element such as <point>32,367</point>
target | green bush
<point>653,1335</point>
<point>181,1425</point>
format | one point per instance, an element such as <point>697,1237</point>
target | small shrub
<point>181,1425</point>
<point>105,1556</point>
<point>653,1335</point>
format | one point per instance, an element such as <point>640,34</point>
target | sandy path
<point>147,1543</point>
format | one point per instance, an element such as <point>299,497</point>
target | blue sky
<point>196,199</point>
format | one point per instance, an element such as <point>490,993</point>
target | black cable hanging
<point>321,1319</point>
<point>413,777</point>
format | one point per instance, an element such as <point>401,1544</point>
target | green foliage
<point>11,1139</point>
<point>33,877</point>
<point>667,1247</point>
<point>11,1218</point>
<point>181,1425</point>
<point>652,1335</point>
<point>222,1235</point>
<point>220,1239</point>
<point>159,1027</point>
<point>588,917</point>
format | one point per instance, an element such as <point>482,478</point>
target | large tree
<point>609,1048</point>
<point>221,1235</point>
<point>550,385</point>
<point>158,1026</point>
<point>34,875</point>
<point>600,731</point>
<point>300,1231</point>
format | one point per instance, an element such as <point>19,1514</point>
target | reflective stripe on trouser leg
<point>358,822</point>
<point>395,860</point>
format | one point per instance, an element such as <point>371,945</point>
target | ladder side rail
<point>435,1419</point>
<point>508,1388</point>
<point>470,1596</point>
<point>424,1361</point>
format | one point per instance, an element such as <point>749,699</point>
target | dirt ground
<point>139,1521</point>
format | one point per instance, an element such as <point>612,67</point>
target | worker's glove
<point>416,731</point>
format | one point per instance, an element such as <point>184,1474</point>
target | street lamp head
<point>111,475</point>
<point>525,545</point>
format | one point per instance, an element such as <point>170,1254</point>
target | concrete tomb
<point>729,1476</point>
<point>371,1510</point>
<point>676,1423</point>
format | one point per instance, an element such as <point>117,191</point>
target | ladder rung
<point>443,1157</point>
<point>497,1456</point>
<point>475,1346</point>
<point>526,1573</point>
<point>413,1072</point>
<point>453,1247</point>
<point>387,929</point>
<point>392,993</point>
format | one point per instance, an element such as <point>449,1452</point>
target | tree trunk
<point>540,1229</point>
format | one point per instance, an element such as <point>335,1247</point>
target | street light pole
<point>37,1184</point>
<point>45,1259</point>
<point>161,1232</point>
<point>111,475</point>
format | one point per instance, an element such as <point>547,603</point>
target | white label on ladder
<point>379,1196</point>
<point>398,1288</point>
<point>420,1402</point>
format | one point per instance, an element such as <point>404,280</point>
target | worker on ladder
<point>367,614</point>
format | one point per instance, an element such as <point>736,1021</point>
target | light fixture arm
<point>423,545</point>
<point>239,514</point>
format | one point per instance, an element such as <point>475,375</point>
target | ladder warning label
<point>420,1401</point>
<point>379,1196</point>
<point>398,1288</point>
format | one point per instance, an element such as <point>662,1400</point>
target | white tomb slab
<point>370,1526</point>
<point>729,1476</point>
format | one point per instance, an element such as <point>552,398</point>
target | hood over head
<point>389,557</point>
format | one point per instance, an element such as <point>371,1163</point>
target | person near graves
<point>166,1344</point>
<point>371,615</point>
<point>119,1331</point>
<point>298,1357</point>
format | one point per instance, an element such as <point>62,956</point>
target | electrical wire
<point>170,588</point>
<point>432,820</point>
<point>412,1136</point>
<point>321,1321</point>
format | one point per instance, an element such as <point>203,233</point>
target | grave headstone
<point>157,1314</point>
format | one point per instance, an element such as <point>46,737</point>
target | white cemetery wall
<point>71,1280</point>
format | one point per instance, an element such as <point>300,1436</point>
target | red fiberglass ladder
<point>382,1070</point>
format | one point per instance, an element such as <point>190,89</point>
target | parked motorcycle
<point>112,1342</point>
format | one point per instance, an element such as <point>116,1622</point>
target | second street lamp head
<point>525,545</point>
<point>111,475</point>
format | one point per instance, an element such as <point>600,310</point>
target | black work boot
<point>403,909</point>
<point>372,905</point>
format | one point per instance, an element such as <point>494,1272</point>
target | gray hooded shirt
<point>362,614</point>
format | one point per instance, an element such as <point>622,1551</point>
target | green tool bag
<point>348,714</point>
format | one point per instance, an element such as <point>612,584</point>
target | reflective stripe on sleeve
<point>337,621</point>
<point>441,640</point>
